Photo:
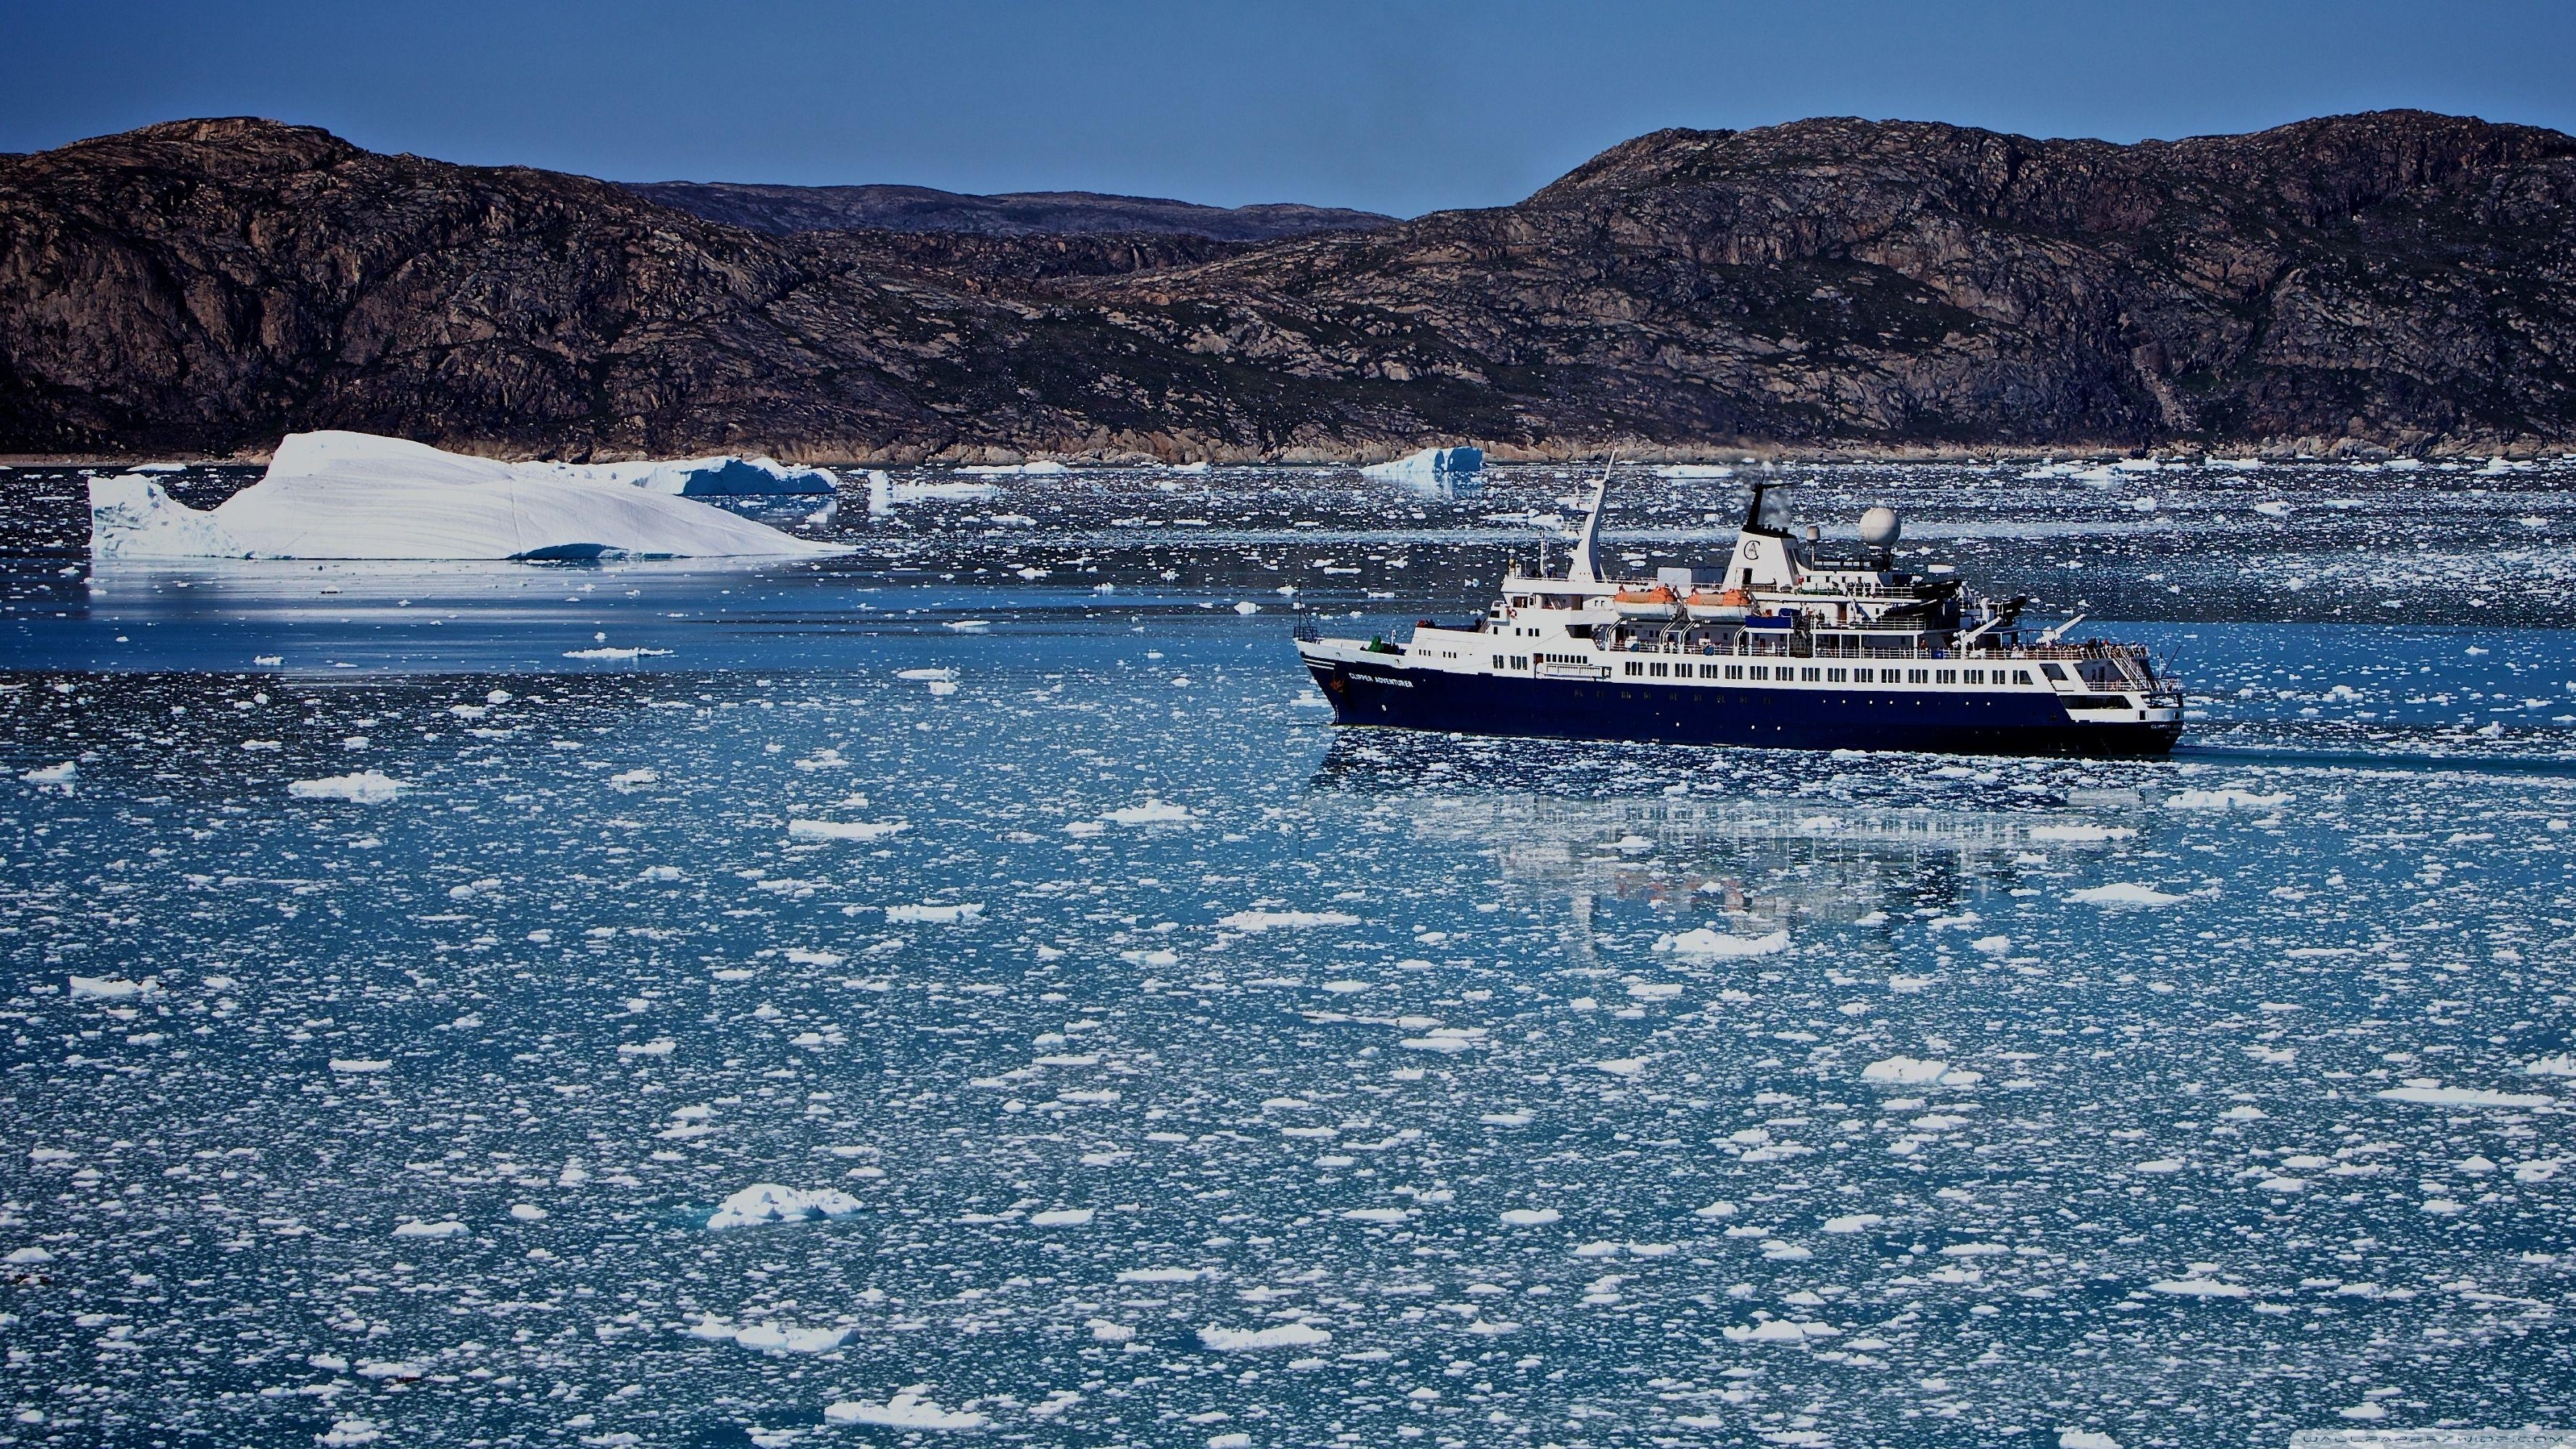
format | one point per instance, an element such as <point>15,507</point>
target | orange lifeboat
<point>1726,604</point>
<point>1658,602</point>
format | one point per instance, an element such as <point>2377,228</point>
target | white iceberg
<point>767,1202</point>
<point>356,496</point>
<point>2121,893</point>
<point>844,829</point>
<point>1251,1340</point>
<point>1433,467</point>
<point>905,1410</point>
<point>1706,942</point>
<point>367,787</point>
<point>1904,1071</point>
<point>1256,922</point>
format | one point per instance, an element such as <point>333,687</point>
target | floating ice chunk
<point>844,829</point>
<point>2230,798</point>
<point>1446,1045</point>
<point>1161,1275</point>
<point>906,1409</point>
<point>1152,812</point>
<point>1248,1340</point>
<point>1622,1066</point>
<point>2162,1165</point>
<point>1715,1210</point>
<point>62,774</point>
<point>2463,1097</point>
<point>927,676</point>
<point>935,915</point>
<point>1257,921</point>
<point>1378,1215</point>
<point>773,1339</point>
<point>767,1202</point>
<point>1531,1217</point>
<point>1991,945</point>
<point>2121,893</point>
<point>1247,607</point>
<point>658,1047</point>
<point>1061,1218</point>
<point>2562,1065</point>
<point>1505,1119</point>
<point>1778,1330</point>
<point>27,1257</point>
<point>444,1228</point>
<point>1853,1223</point>
<point>349,1433</point>
<point>1901,1071</point>
<point>612,651</point>
<point>367,787</point>
<point>1710,943</point>
<point>354,1066</point>
<point>351,495</point>
<point>2197,1287</point>
<point>1430,466</point>
<point>1695,470</point>
<point>527,1212</point>
<point>109,988</point>
<point>2085,1439</point>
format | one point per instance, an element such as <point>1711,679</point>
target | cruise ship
<point>1792,642</point>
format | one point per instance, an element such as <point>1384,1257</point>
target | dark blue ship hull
<point>2011,722</point>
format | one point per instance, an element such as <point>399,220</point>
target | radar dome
<point>1879,527</point>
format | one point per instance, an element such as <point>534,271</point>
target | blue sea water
<point>1190,1072</point>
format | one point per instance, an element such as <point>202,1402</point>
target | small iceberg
<point>339,495</point>
<point>1710,943</point>
<point>767,1202</point>
<point>1438,470</point>
<point>908,1409</point>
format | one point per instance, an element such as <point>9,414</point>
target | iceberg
<point>767,1202</point>
<point>356,496</point>
<point>1432,467</point>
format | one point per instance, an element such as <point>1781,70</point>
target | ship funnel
<point>1880,527</point>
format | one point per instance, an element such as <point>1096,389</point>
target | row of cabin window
<point>1814,673</point>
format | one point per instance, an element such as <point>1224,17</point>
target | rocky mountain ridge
<point>781,210</point>
<point>2397,280</point>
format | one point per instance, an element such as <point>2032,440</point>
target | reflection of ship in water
<point>1764,861</point>
<point>1761,861</point>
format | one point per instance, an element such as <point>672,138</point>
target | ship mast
<point>1581,571</point>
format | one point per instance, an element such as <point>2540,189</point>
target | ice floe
<point>1258,921</point>
<point>2434,1096</point>
<point>907,1409</point>
<point>1904,1071</point>
<point>2122,893</point>
<point>768,1202</point>
<point>1249,1340</point>
<point>844,830</point>
<point>1716,944</point>
<point>366,787</point>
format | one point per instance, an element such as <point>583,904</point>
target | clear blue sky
<point>1393,106</point>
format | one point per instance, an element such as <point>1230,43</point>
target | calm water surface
<point>1183,1071</point>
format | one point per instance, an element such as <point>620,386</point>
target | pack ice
<point>339,495</point>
